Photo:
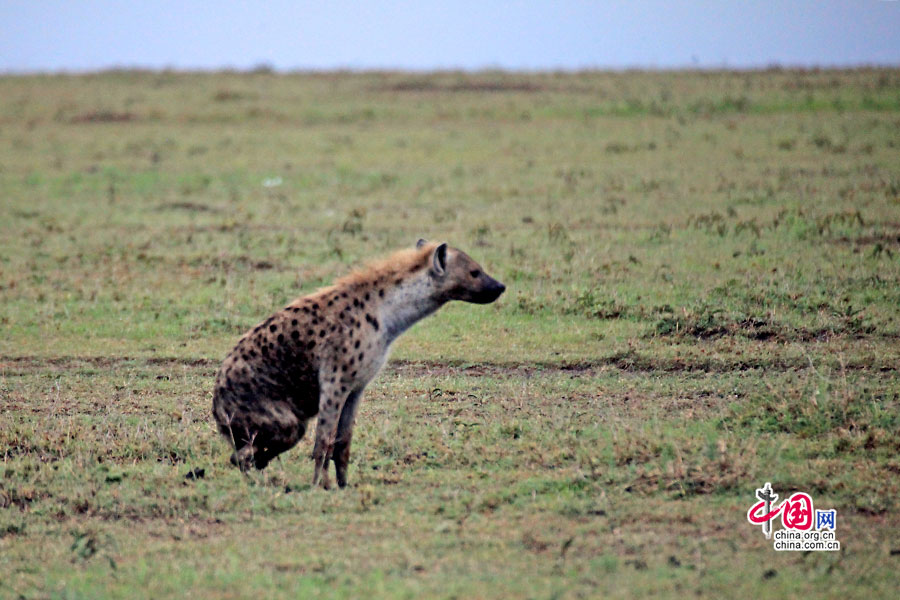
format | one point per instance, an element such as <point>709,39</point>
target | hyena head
<point>456,276</point>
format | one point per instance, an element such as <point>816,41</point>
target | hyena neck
<point>406,304</point>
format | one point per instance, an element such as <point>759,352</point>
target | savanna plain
<point>703,274</point>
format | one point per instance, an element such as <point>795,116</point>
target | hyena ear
<point>420,243</point>
<point>439,260</point>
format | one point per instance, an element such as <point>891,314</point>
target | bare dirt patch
<point>632,362</point>
<point>23,365</point>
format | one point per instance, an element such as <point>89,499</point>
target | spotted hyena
<point>316,356</point>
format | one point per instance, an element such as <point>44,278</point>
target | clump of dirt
<point>482,86</point>
<point>103,116</point>
<point>188,206</point>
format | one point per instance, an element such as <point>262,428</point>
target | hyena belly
<point>262,406</point>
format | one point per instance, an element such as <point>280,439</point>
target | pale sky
<point>59,35</point>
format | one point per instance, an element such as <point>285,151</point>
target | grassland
<point>704,281</point>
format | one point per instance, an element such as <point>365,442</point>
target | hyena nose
<point>492,291</point>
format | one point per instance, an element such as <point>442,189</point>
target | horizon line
<point>266,68</point>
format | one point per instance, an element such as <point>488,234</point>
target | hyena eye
<point>474,272</point>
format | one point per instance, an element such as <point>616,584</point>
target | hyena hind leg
<point>285,439</point>
<point>264,444</point>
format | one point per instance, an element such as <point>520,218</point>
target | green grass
<point>704,281</point>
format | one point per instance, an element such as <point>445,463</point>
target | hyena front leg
<point>331,401</point>
<point>341,454</point>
